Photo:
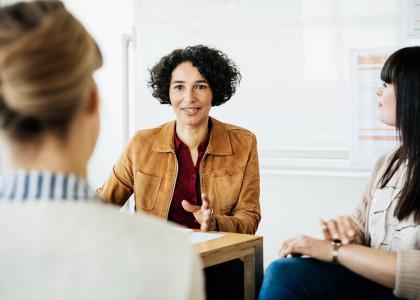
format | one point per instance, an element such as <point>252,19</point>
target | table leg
<point>259,269</point>
<point>249,277</point>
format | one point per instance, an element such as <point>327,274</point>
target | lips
<point>190,110</point>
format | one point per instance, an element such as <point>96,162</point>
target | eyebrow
<point>181,81</point>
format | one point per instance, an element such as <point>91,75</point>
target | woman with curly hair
<point>195,171</point>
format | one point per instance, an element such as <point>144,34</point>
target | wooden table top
<point>228,243</point>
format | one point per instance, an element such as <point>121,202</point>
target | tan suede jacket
<point>229,175</point>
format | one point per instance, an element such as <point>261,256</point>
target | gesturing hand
<point>203,214</point>
<point>340,228</point>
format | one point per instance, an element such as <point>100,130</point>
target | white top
<point>386,231</point>
<point>72,249</point>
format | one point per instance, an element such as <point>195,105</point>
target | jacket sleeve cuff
<point>407,281</point>
<point>224,224</point>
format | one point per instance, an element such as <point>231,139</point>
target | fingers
<point>351,233</point>
<point>205,224</point>
<point>325,230</point>
<point>208,215</point>
<point>189,207</point>
<point>284,249</point>
<point>204,201</point>
<point>332,227</point>
<point>204,204</point>
<point>340,228</point>
<point>292,247</point>
<point>208,220</point>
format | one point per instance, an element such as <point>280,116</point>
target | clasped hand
<point>340,228</point>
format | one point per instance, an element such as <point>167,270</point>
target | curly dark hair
<point>220,72</point>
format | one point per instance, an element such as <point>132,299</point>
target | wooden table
<point>247,248</point>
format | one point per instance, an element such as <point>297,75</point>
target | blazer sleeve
<point>407,283</point>
<point>247,213</point>
<point>119,186</point>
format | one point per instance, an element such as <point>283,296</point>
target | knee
<point>283,279</point>
<point>281,269</point>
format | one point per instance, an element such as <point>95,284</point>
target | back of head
<point>46,64</point>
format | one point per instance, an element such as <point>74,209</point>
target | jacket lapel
<point>219,143</point>
<point>165,140</point>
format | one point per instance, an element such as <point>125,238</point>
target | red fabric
<point>187,183</point>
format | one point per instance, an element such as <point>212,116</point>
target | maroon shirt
<point>187,185</point>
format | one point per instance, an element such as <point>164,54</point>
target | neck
<point>192,136</point>
<point>50,154</point>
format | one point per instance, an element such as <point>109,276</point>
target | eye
<point>200,86</point>
<point>384,84</point>
<point>178,87</point>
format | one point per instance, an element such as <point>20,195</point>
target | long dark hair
<point>402,69</point>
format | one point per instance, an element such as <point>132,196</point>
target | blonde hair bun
<point>47,59</point>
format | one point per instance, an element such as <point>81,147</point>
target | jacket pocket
<point>227,189</point>
<point>146,190</point>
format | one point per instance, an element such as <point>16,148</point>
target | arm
<point>246,215</point>
<point>376,265</point>
<point>396,270</point>
<point>119,186</point>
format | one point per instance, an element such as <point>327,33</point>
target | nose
<point>189,95</point>
<point>379,91</point>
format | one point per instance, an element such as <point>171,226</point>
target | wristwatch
<point>336,246</point>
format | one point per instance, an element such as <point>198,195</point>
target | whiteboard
<point>293,56</point>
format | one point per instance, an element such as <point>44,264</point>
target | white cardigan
<point>89,250</point>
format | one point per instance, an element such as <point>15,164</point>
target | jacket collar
<point>219,143</point>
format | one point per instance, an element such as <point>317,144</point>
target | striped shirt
<point>32,185</point>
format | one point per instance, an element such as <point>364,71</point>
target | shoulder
<point>237,132</point>
<point>382,163</point>
<point>147,137</point>
<point>149,133</point>
<point>379,169</point>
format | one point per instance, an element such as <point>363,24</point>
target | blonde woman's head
<point>47,60</point>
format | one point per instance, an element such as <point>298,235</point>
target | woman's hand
<point>340,228</point>
<point>203,214</point>
<point>305,245</point>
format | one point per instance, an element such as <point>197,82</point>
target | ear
<point>93,100</point>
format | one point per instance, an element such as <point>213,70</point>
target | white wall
<point>292,201</point>
<point>107,21</point>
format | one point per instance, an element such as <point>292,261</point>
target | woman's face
<point>190,95</point>
<point>387,104</point>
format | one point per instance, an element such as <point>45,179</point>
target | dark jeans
<point>307,278</point>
